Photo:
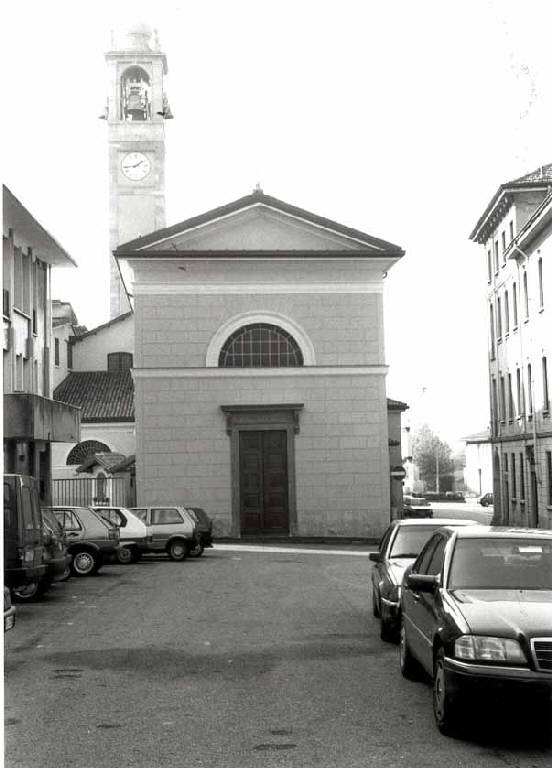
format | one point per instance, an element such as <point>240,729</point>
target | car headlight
<point>395,593</point>
<point>480,648</point>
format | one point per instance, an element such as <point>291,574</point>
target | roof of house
<point>85,333</point>
<point>109,461</point>
<point>102,395</point>
<point>256,198</point>
<point>27,228</point>
<point>478,437</point>
<point>541,178</point>
<point>396,405</point>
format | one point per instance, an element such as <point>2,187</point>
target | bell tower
<point>135,111</point>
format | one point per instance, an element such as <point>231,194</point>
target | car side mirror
<point>375,557</point>
<point>419,582</point>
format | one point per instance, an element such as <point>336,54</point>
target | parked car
<point>399,547</point>
<point>172,530</point>
<point>23,534</point>
<point>416,506</point>
<point>55,556</point>
<point>487,500</point>
<point>477,618</point>
<point>204,529</point>
<point>91,539</point>
<point>133,532</point>
<point>9,611</point>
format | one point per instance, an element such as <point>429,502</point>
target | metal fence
<point>87,491</point>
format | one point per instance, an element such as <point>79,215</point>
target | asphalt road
<point>239,659</point>
<point>470,510</point>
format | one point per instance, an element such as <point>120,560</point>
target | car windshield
<point>410,540</point>
<point>52,521</point>
<point>501,563</point>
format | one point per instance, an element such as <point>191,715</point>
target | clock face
<point>135,166</point>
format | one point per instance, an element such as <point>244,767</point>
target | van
<point>23,532</point>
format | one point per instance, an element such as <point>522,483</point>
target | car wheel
<point>444,705</point>
<point>409,665</point>
<point>388,631</point>
<point>85,563</point>
<point>197,551</point>
<point>65,575</point>
<point>124,555</point>
<point>375,604</point>
<point>27,592</point>
<point>177,550</point>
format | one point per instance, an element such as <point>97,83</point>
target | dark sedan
<point>399,547</point>
<point>477,617</point>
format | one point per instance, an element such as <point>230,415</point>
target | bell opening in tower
<point>135,95</point>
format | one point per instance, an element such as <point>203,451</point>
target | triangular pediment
<point>258,223</point>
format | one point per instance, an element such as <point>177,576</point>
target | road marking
<point>290,550</point>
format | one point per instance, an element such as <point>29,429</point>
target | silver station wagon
<point>170,529</point>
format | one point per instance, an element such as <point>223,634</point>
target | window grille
<point>83,450</point>
<point>119,361</point>
<point>260,346</point>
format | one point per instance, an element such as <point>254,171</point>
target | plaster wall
<point>120,438</point>
<point>172,331</point>
<point>341,451</point>
<point>90,353</point>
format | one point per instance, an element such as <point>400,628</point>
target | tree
<point>430,454</point>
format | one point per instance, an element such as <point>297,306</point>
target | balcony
<point>31,417</point>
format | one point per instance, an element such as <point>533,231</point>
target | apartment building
<point>33,420</point>
<point>515,231</point>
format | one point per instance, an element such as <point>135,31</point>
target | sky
<point>400,119</point>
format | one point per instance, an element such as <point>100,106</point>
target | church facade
<point>259,370</point>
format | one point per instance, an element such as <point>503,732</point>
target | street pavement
<point>239,659</point>
<point>469,510</point>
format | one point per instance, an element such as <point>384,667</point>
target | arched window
<point>135,95</point>
<point>119,361</point>
<point>260,346</point>
<point>83,450</point>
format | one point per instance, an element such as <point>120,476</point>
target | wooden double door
<point>263,461</point>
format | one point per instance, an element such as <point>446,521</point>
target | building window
<point>119,361</point>
<point>525,296</point>
<point>510,399</point>
<point>503,236</point>
<point>530,389</point>
<point>19,373</point>
<point>489,265</point>
<point>511,231</point>
<point>17,278</point>
<point>549,477</point>
<point>541,293</point>
<point>494,405</point>
<point>519,391</point>
<point>521,477</point>
<point>84,450</point>
<point>260,346</point>
<point>506,313</point>
<point>545,393</point>
<point>5,302</point>
<point>492,329</point>
<point>498,319</point>
<point>69,347</point>
<point>56,351</point>
<point>514,489</point>
<point>502,399</point>
<point>496,256</point>
<point>514,304</point>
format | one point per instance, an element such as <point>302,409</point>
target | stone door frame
<point>280,416</point>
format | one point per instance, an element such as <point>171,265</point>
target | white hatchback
<point>134,534</point>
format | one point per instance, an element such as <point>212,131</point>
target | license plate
<point>9,622</point>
